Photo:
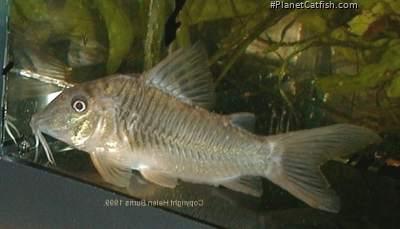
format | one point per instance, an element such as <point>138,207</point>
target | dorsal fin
<point>185,75</point>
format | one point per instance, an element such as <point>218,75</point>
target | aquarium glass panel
<point>237,113</point>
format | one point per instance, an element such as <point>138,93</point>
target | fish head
<point>72,117</point>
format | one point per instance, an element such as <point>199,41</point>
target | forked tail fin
<point>294,159</point>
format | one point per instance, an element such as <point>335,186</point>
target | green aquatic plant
<point>377,43</point>
<point>73,19</point>
<point>80,24</point>
<point>210,10</point>
<point>369,76</point>
<point>120,32</point>
<point>394,88</point>
<point>33,10</point>
<point>337,54</point>
<point>158,13</point>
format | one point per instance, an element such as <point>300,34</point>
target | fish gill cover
<point>294,69</point>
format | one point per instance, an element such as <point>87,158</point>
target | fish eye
<point>79,105</point>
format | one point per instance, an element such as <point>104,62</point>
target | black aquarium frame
<point>34,197</point>
<point>3,60</point>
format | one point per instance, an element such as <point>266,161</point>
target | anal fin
<point>246,184</point>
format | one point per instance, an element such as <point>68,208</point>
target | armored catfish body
<point>158,124</point>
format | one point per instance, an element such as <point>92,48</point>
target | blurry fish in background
<point>44,59</point>
<point>37,61</point>
<point>85,52</point>
<point>69,22</point>
<point>158,125</point>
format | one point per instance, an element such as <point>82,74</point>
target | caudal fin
<point>294,159</point>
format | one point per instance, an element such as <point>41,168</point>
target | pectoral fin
<point>248,185</point>
<point>159,178</point>
<point>111,172</point>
